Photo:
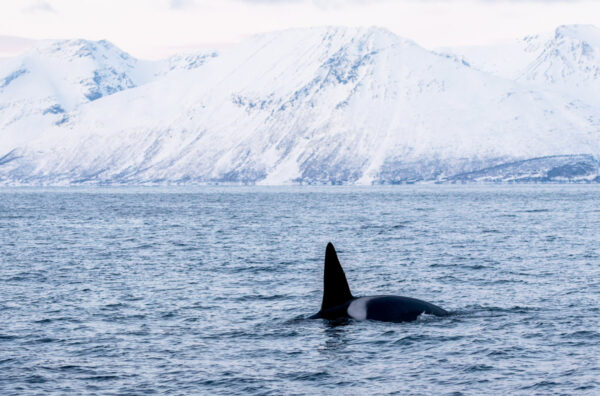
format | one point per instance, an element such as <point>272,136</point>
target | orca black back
<point>338,302</point>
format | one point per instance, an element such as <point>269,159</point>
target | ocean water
<point>207,290</point>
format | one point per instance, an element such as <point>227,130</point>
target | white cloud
<point>39,6</point>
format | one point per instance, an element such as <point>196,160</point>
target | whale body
<point>339,303</point>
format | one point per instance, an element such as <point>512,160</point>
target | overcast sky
<point>156,28</point>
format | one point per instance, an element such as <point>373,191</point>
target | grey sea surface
<point>207,290</point>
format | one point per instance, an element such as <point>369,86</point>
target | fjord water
<point>206,290</point>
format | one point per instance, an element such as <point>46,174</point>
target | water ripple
<point>209,290</point>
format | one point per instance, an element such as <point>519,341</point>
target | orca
<point>339,303</point>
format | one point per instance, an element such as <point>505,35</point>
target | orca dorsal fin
<point>335,286</point>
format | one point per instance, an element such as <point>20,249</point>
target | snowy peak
<point>98,67</point>
<point>571,57</point>
<point>187,61</point>
<point>584,33</point>
<point>77,71</point>
<point>297,64</point>
<point>100,51</point>
<point>69,72</point>
<point>326,42</point>
<point>330,36</point>
<point>43,86</point>
<point>566,58</point>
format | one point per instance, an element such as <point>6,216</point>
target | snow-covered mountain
<point>319,105</point>
<point>569,61</point>
<point>568,58</point>
<point>41,87</point>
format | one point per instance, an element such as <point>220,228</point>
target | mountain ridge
<point>325,105</point>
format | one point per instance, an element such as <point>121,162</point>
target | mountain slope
<point>40,87</point>
<point>321,105</point>
<point>568,58</point>
<point>570,62</point>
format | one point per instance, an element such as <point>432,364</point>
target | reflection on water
<point>335,336</point>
